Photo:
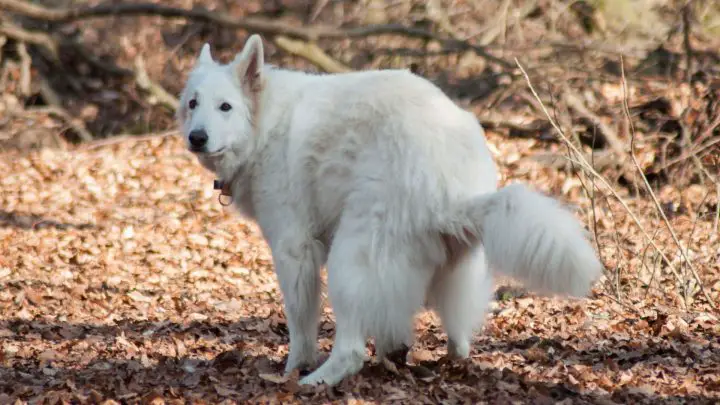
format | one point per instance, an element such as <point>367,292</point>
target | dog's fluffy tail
<point>530,237</point>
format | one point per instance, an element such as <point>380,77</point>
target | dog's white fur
<point>382,178</point>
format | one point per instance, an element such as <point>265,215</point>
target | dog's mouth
<point>204,152</point>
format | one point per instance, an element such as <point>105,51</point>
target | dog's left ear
<point>249,62</point>
<point>205,56</point>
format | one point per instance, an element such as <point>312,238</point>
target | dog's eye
<point>225,107</point>
<point>192,104</point>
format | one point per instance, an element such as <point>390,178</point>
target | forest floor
<point>124,280</point>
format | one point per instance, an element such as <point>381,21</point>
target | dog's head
<point>219,101</point>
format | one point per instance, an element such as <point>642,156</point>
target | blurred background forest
<point>122,279</point>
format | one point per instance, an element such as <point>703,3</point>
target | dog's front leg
<point>297,262</point>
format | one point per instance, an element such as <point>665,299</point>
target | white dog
<point>382,178</point>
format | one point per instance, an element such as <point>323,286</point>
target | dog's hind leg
<point>461,297</point>
<point>370,295</point>
<point>297,260</point>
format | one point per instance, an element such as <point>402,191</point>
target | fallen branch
<point>117,139</point>
<point>20,34</point>
<point>687,46</point>
<point>3,41</point>
<point>25,69</point>
<point>491,120</point>
<point>107,67</point>
<point>608,134</point>
<point>49,95</point>
<point>716,221</point>
<point>311,52</point>
<point>143,81</point>
<point>55,107</point>
<point>75,124</point>
<point>254,24</point>
<point>699,151</point>
<point>500,27</point>
<point>603,160</point>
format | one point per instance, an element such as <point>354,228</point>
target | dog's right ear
<point>205,56</point>
<point>249,62</point>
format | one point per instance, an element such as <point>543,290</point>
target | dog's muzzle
<point>198,139</point>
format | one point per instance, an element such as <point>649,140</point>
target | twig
<point>255,24</point>
<point>435,12</point>
<point>317,9</point>
<point>689,155</point>
<point>686,41</point>
<point>654,269</point>
<point>125,138</point>
<point>3,41</point>
<point>559,161</point>
<point>93,60</point>
<point>143,81</point>
<point>490,120</point>
<point>703,169</point>
<point>716,222</point>
<point>52,46</point>
<point>311,52</point>
<point>626,110</point>
<point>49,95</point>
<point>20,34</point>
<point>501,24</point>
<point>25,68</point>
<point>75,124</point>
<point>592,196</point>
<point>622,303</point>
<point>56,108</point>
<point>590,193</point>
<point>584,163</point>
<point>695,222</point>
<point>609,135</point>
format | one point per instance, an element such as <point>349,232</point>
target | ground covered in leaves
<point>122,278</point>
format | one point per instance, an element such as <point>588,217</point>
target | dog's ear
<point>249,62</point>
<point>205,55</point>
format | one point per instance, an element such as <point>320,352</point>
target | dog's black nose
<point>198,138</point>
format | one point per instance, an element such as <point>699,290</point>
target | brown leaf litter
<point>123,280</point>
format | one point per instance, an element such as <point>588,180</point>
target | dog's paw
<point>301,360</point>
<point>311,381</point>
<point>336,368</point>
<point>458,349</point>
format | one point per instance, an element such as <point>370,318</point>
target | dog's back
<point>389,138</point>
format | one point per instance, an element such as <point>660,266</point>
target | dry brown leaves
<point>123,280</point>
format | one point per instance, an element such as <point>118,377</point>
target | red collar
<point>225,190</point>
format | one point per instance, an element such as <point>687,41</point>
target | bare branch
<point>590,169</point>
<point>3,41</point>
<point>311,52</point>
<point>75,124</point>
<point>686,41</point>
<point>25,67</point>
<point>254,24</point>
<point>608,134</point>
<point>144,82</point>
<point>652,194</point>
<point>117,139</point>
<point>7,28</point>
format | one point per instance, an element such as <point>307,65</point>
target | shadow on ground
<point>13,219</point>
<point>227,366</point>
